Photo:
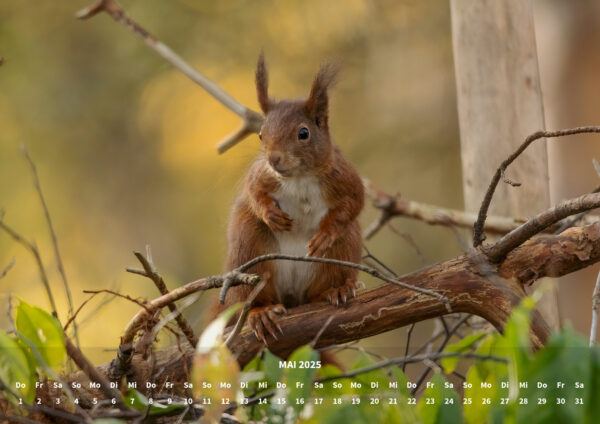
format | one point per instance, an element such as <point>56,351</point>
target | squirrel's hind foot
<point>263,321</point>
<point>340,295</point>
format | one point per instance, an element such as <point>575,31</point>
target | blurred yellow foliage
<point>125,144</point>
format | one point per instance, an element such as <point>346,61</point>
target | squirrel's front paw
<point>320,243</point>
<point>263,321</point>
<point>340,295</point>
<point>277,220</point>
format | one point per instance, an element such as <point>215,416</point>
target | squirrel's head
<point>295,134</point>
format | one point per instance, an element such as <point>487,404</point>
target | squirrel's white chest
<point>302,200</point>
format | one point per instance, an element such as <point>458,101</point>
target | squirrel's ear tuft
<point>317,102</point>
<point>262,84</point>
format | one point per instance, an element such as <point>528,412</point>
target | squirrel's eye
<point>303,133</point>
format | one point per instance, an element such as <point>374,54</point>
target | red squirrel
<point>300,197</point>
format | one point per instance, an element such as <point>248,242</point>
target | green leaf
<point>362,413</point>
<point>253,365</point>
<point>474,409</point>
<point>44,331</point>
<point>212,362</point>
<point>15,368</point>
<point>273,371</point>
<point>140,402</point>
<point>566,358</point>
<point>449,364</point>
<point>299,381</point>
<point>334,388</point>
<point>377,379</point>
<point>135,399</point>
<point>439,404</point>
<point>515,344</point>
<point>402,408</point>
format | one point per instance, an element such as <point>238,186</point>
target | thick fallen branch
<point>470,283</point>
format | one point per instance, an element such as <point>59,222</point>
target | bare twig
<point>408,336</point>
<point>190,300</point>
<point>478,235</point>
<point>59,262</point>
<point>497,251</point>
<point>244,314</point>
<point>252,120</point>
<point>72,318</point>
<point>378,263</point>
<point>393,206</point>
<point>123,296</point>
<point>38,259</point>
<point>365,269</point>
<point>352,346</point>
<point>449,334</point>
<point>93,313</point>
<point>179,293</point>
<point>595,304</point>
<point>323,328</point>
<point>7,268</point>
<point>93,374</point>
<point>152,274</point>
<point>411,242</point>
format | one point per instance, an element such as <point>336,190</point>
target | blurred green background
<point>125,144</point>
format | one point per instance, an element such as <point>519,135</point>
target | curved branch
<point>478,236</point>
<point>251,120</point>
<point>365,269</point>
<point>181,292</point>
<point>538,223</point>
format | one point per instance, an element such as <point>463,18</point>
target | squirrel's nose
<point>274,159</point>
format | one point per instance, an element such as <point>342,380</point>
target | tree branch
<point>152,274</point>
<point>393,206</point>
<point>32,248</point>
<point>180,292</point>
<point>538,223</point>
<point>252,120</point>
<point>7,268</point>
<point>469,281</point>
<point>478,236</point>
<point>59,262</point>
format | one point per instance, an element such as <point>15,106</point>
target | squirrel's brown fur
<point>300,197</point>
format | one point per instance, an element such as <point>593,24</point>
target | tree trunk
<point>499,104</point>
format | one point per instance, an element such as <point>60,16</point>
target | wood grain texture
<point>499,104</point>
